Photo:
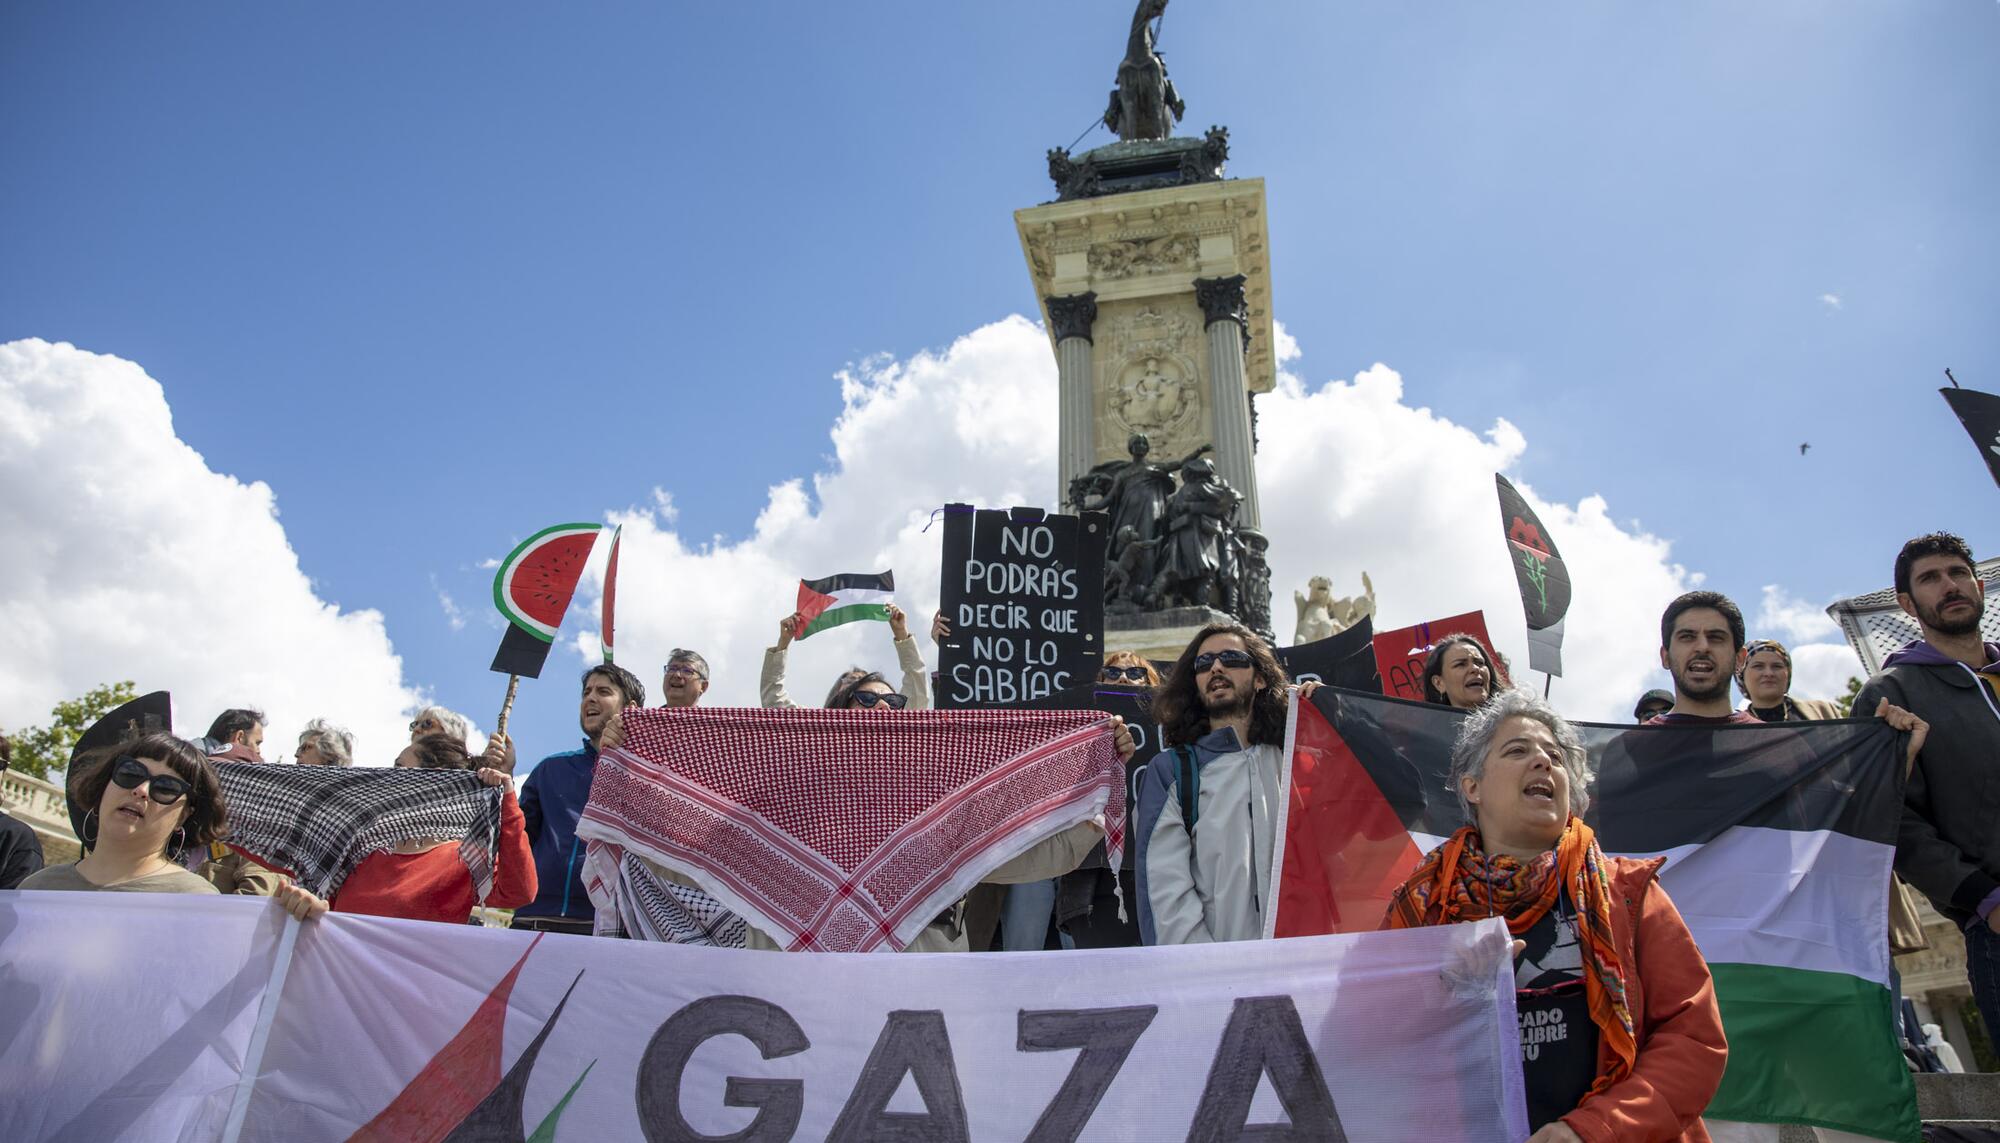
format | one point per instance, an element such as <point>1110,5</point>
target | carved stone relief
<point>1141,256</point>
<point>1149,377</point>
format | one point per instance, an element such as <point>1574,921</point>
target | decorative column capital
<point>1222,299</point>
<point>1072,315</point>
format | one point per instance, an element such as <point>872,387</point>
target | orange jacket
<point>1678,1026</point>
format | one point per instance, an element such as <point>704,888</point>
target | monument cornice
<point>1148,244</point>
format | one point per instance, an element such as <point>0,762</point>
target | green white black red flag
<point>1778,837</point>
<point>1542,576</point>
<point>844,598</point>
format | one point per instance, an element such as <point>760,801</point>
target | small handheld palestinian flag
<point>1542,576</point>
<point>1980,414</point>
<point>839,599</point>
<point>533,589</point>
<point>610,591</point>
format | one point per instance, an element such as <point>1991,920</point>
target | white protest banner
<point>408,1030</point>
<point>128,1021</point>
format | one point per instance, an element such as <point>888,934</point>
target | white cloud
<point>1822,661</point>
<point>1830,301</point>
<point>1821,670</point>
<point>453,614</point>
<point>1352,477</point>
<point>1793,619</point>
<point>129,558</point>
<point>975,423</point>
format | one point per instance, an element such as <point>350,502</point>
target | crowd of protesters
<point>1598,941</point>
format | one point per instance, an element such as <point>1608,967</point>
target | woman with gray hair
<point>1621,1039</point>
<point>322,743</point>
<point>438,720</point>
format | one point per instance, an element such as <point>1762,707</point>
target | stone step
<point>1968,1100</point>
<point>1973,1095</point>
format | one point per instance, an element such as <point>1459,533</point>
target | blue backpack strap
<point>1189,787</point>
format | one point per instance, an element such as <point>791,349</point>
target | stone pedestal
<point>1149,359</point>
<point>1160,635</point>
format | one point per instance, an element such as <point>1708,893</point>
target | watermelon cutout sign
<point>533,589</point>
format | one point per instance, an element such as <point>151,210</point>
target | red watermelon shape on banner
<point>534,584</point>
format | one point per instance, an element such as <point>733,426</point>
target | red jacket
<point>435,885</point>
<point>1678,1026</point>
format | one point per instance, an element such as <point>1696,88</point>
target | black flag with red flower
<point>1542,576</point>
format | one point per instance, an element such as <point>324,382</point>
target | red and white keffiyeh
<point>847,830</point>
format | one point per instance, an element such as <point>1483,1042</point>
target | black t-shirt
<point>1558,1040</point>
<point>20,851</point>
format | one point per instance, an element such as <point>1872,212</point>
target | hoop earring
<point>180,842</point>
<point>89,838</point>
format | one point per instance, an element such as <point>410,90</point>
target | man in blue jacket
<point>552,800</point>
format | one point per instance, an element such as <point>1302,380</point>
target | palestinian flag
<point>839,599</point>
<point>1778,839</point>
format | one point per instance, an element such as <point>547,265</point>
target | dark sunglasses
<point>1234,660</point>
<point>891,700</point>
<point>1113,674</point>
<point>130,774</point>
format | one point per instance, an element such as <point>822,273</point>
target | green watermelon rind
<point>514,560</point>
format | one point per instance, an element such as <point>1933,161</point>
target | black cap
<point>1650,697</point>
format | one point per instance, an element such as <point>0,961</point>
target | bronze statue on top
<point>1175,546</point>
<point>1144,105</point>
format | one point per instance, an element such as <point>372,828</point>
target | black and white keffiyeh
<point>651,908</point>
<point>638,900</point>
<point>318,822</point>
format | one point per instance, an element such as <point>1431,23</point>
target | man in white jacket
<point>1209,802</point>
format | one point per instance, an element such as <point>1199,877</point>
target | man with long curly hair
<point>1209,802</point>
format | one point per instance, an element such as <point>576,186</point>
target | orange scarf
<point>1458,882</point>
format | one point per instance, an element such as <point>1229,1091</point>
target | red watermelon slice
<point>535,582</point>
<point>610,591</point>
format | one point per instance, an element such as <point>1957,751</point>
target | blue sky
<point>443,274</point>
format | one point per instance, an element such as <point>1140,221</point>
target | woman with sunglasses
<point>864,690</point>
<point>916,692</point>
<point>155,799</point>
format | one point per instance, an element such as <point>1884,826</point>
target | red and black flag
<point>1980,414</point>
<point>533,589</point>
<point>1543,578</point>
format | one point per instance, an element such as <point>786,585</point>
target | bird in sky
<point>1803,447</point>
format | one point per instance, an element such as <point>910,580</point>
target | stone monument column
<point>1070,319</point>
<point>1227,313</point>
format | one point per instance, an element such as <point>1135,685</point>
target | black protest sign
<point>1345,660</point>
<point>1135,706</point>
<point>1024,594</point>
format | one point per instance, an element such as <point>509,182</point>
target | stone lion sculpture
<point>1321,616</point>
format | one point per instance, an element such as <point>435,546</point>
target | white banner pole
<point>267,1013</point>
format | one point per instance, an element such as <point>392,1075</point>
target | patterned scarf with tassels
<point>1459,882</point>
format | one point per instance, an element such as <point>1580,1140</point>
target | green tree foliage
<point>41,750</point>
<point>1846,701</point>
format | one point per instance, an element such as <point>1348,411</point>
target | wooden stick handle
<point>507,707</point>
